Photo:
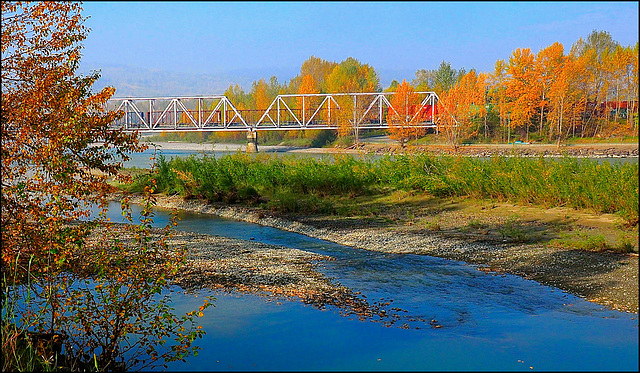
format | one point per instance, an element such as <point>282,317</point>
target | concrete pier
<point>252,142</point>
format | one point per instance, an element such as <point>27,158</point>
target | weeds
<point>603,187</point>
<point>593,242</point>
<point>19,351</point>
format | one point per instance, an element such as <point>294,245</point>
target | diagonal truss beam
<point>188,113</point>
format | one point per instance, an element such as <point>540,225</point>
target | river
<point>142,160</point>
<point>486,321</point>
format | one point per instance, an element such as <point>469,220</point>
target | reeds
<point>601,186</point>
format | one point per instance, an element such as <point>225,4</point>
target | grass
<point>21,349</point>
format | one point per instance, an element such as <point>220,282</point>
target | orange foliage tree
<point>49,123</point>
<point>260,95</point>
<point>548,63</point>
<point>405,102</point>
<point>566,103</point>
<point>461,105</point>
<point>308,85</point>
<point>57,152</point>
<point>522,89</point>
<point>306,105</point>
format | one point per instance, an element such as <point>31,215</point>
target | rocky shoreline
<point>604,150</point>
<point>519,150</point>
<point>608,279</point>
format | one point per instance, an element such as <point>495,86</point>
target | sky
<point>395,37</point>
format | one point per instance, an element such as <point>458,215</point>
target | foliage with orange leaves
<point>548,63</point>
<point>308,104</point>
<point>57,153</point>
<point>405,102</point>
<point>522,88</point>
<point>50,121</point>
<point>461,105</point>
<point>260,95</point>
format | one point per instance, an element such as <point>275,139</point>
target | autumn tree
<point>522,89</point>
<point>260,95</point>
<point>461,105</point>
<point>307,105</point>
<point>631,89</point>
<point>621,63</point>
<point>548,63</point>
<point>318,69</point>
<point>566,101</point>
<point>57,152</point>
<point>592,52</point>
<point>404,104</point>
<point>351,76</point>
<point>240,99</point>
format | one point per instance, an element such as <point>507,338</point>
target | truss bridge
<point>286,112</point>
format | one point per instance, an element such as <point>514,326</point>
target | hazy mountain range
<point>142,82</point>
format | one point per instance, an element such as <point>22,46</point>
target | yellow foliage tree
<point>548,62</point>
<point>522,89</point>
<point>260,95</point>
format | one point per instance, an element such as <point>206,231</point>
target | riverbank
<point>595,150</point>
<point>606,278</point>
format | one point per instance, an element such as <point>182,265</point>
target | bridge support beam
<point>252,141</point>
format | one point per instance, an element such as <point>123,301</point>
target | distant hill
<point>141,82</point>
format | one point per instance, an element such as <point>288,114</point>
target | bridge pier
<point>252,141</point>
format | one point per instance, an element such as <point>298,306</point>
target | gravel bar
<point>606,278</point>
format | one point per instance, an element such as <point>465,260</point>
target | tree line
<point>589,91</point>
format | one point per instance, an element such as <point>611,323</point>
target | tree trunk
<point>560,121</point>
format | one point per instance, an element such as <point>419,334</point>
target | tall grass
<point>21,350</point>
<point>567,182</point>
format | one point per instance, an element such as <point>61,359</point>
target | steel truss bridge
<point>286,112</point>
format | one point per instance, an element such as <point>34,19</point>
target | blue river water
<point>486,321</point>
<point>142,160</point>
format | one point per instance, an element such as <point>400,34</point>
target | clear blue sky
<point>212,37</point>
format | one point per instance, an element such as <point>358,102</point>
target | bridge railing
<point>286,112</point>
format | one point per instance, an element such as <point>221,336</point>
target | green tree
<point>393,86</point>
<point>444,78</point>
<point>424,80</point>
